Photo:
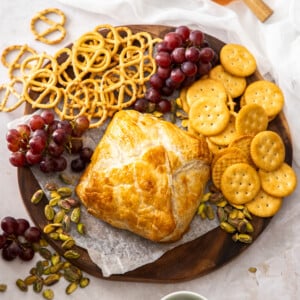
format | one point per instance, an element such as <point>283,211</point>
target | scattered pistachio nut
<point>252,270</point>
<point>49,212</point>
<point>51,279</point>
<point>30,279</point>
<point>21,285</point>
<point>71,254</point>
<point>75,215</point>
<point>65,191</point>
<point>38,285</point>
<point>50,186</point>
<point>84,282</point>
<point>3,287</point>
<point>37,196</point>
<point>48,294</point>
<point>81,228</point>
<point>71,288</point>
<point>65,178</point>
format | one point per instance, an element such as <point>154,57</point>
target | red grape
<point>32,234</point>
<point>17,159</point>
<point>189,68</point>
<point>9,225</point>
<point>24,131</point>
<point>13,136</point>
<point>178,55</point>
<point>23,224</point>
<point>153,95</point>
<point>13,147</point>
<point>59,136</point>
<point>77,165</point>
<point>2,240</point>
<point>164,106</point>
<point>177,75</point>
<point>196,37</point>
<point>81,124</point>
<point>163,59</point>
<point>192,54</point>
<point>156,82</point>
<point>184,32</point>
<point>37,144</point>
<point>36,122</point>
<point>161,46</point>
<point>54,149</point>
<point>66,126</point>
<point>86,154</point>
<point>206,55</point>
<point>204,69</point>
<point>33,158</point>
<point>141,105</point>
<point>26,253</point>
<point>60,164</point>
<point>172,40</point>
<point>163,73</point>
<point>48,116</point>
<point>47,165</point>
<point>11,251</point>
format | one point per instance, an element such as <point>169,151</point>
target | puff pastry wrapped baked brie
<point>146,175</point>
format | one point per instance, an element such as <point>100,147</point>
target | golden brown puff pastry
<point>147,176</point>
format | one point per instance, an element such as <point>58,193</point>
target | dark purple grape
<point>189,68</point>
<point>86,154</point>
<point>164,106</point>
<point>60,164</point>
<point>167,90</point>
<point>54,149</point>
<point>47,116</point>
<point>156,82</point>
<point>172,40</point>
<point>77,165</point>
<point>17,159</point>
<point>47,165</point>
<point>9,225</point>
<point>206,55</point>
<point>163,59</point>
<point>36,122</point>
<point>23,224</point>
<point>196,37</point>
<point>163,73</point>
<point>171,84</point>
<point>66,126</point>
<point>188,81</point>
<point>26,253</point>
<point>2,240</point>
<point>192,54</point>
<point>184,32</point>
<point>11,251</point>
<point>204,69</point>
<point>32,234</point>
<point>42,133</point>
<point>59,136</point>
<point>152,95</point>
<point>141,105</point>
<point>161,46</point>
<point>178,55</point>
<point>51,128</point>
<point>177,76</point>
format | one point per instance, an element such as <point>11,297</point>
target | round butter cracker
<point>267,150</point>
<point>264,205</point>
<point>224,159</point>
<point>209,117</point>
<point>234,85</point>
<point>279,183</point>
<point>251,119</point>
<point>206,88</point>
<point>237,60</point>
<point>267,94</point>
<point>240,183</point>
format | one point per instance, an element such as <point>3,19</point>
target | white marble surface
<point>275,254</point>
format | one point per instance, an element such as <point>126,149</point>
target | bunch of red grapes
<point>182,57</point>
<point>44,140</point>
<point>17,239</point>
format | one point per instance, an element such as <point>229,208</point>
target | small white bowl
<point>183,295</point>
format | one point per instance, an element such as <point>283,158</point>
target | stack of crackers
<point>248,164</point>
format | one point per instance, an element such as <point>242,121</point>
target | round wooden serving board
<point>195,258</point>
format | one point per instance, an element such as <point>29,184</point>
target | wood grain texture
<point>193,259</point>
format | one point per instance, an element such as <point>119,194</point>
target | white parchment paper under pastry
<point>117,251</point>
